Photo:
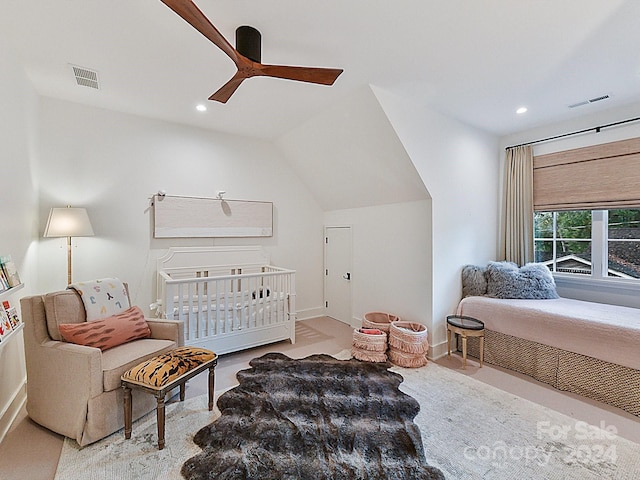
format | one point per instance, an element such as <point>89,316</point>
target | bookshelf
<point>13,375</point>
<point>8,337</point>
<point>7,293</point>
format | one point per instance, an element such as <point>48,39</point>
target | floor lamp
<point>68,222</point>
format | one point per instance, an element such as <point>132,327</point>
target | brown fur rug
<point>316,418</point>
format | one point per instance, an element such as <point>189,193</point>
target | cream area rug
<point>470,430</point>
<point>115,458</point>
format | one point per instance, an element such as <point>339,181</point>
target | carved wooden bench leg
<point>131,379</point>
<point>127,411</point>
<point>211,385</point>
<point>160,421</point>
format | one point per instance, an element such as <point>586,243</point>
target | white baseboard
<point>316,312</point>
<point>12,409</point>
<point>309,313</point>
<point>437,351</point>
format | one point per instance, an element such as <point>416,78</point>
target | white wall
<point>18,218</point>
<point>391,265</point>
<point>459,165</point>
<point>111,163</point>
<point>368,161</point>
<point>604,291</point>
<point>350,157</point>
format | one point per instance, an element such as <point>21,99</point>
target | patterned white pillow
<point>102,298</point>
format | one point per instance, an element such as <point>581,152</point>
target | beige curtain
<point>518,205</point>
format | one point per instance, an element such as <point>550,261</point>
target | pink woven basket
<point>408,360</point>
<point>379,320</point>
<point>369,341</point>
<point>408,337</point>
<point>369,356</point>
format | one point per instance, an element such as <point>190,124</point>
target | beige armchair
<point>75,390</point>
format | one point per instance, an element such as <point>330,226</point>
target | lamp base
<point>68,260</point>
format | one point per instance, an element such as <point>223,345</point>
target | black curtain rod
<point>593,129</point>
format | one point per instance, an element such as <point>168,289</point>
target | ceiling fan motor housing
<point>248,41</point>
<point>246,55</point>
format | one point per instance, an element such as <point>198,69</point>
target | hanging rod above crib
<point>162,194</point>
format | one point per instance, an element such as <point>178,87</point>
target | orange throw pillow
<point>108,332</point>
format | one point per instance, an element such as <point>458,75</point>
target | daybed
<point>587,348</point>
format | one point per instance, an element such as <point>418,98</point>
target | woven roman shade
<point>599,177</point>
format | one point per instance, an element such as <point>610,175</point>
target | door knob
<point>347,276</point>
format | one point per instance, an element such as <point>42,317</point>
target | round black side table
<point>465,327</point>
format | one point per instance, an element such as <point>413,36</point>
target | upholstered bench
<point>163,373</point>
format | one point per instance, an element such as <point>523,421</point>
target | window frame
<point>598,278</point>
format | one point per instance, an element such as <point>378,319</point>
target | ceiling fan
<point>247,66</point>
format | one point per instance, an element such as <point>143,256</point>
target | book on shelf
<point>5,323</point>
<point>12,313</point>
<point>10,271</point>
<point>4,282</point>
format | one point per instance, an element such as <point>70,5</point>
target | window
<point>599,243</point>
<point>587,204</point>
<point>623,245</point>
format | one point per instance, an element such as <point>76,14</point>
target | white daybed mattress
<point>606,332</point>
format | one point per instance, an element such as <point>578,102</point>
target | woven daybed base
<point>571,372</point>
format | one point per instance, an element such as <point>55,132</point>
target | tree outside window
<point>623,233</point>
<point>565,242</point>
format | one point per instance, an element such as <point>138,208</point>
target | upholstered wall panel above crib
<point>178,216</point>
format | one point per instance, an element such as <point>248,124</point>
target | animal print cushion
<point>108,332</point>
<point>163,369</point>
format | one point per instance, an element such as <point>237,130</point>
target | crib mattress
<point>607,332</point>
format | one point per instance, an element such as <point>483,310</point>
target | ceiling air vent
<point>587,102</point>
<point>85,77</point>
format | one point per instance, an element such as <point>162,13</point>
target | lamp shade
<point>68,222</point>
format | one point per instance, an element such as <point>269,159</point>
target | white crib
<point>229,298</point>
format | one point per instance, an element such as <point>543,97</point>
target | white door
<point>337,273</point>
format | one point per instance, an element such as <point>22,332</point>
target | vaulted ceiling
<point>474,60</point>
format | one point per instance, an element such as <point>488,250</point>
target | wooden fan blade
<point>194,16</point>
<point>224,93</point>
<point>323,76</point>
<point>246,67</point>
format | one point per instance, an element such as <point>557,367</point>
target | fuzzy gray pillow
<point>474,281</point>
<point>532,281</point>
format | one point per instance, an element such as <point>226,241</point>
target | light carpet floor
<point>470,430</point>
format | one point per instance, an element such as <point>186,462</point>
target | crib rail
<point>230,307</point>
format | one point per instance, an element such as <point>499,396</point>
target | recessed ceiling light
<point>201,108</point>
<point>521,110</point>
